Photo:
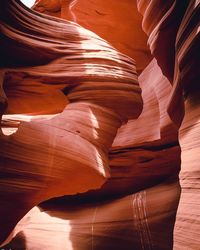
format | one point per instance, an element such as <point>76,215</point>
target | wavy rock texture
<point>79,89</point>
<point>188,216</point>
<point>161,22</point>
<point>117,22</point>
<point>130,222</point>
<point>94,76</point>
<point>183,108</point>
<point>187,78</point>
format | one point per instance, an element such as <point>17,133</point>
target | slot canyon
<point>100,125</point>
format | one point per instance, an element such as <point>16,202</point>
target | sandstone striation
<point>117,22</point>
<point>94,76</point>
<point>104,115</point>
<point>179,21</point>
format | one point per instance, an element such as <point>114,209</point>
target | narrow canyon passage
<point>99,143</point>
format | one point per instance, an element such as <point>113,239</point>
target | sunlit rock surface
<point>75,125</point>
<point>99,82</point>
<point>118,22</point>
<point>174,40</point>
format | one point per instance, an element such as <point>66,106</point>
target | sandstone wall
<point>87,130</point>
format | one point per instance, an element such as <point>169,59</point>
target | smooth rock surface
<point>124,223</point>
<point>88,132</point>
<point>66,154</point>
<point>118,22</point>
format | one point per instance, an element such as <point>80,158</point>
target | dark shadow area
<point>18,243</point>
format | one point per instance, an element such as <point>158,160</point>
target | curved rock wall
<point>94,76</point>
<point>98,134</point>
<point>184,43</point>
<point>117,22</point>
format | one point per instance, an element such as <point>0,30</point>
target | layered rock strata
<point>66,154</point>
<point>94,89</point>
<point>144,172</point>
<point>119,23</point>
<point>178,21</point>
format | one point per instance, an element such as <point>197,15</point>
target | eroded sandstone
<point>85,128</point>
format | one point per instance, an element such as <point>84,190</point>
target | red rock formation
<point>184,44</point>
<point>94,89</point>
<point>129,222</point>
<point>187,78</point>
<point>96,79</point>
<point>161,22</point>
<point>117,22</point>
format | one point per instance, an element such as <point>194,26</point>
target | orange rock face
<point>94,76</point>
<point>97,111</point>
<point>118,22</point>
<point>179,19</point>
